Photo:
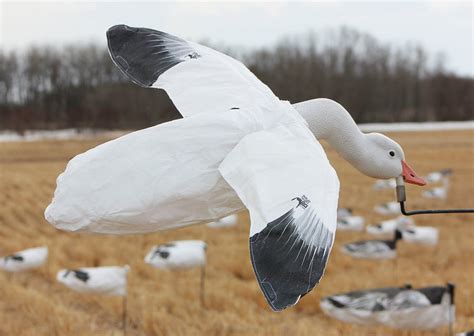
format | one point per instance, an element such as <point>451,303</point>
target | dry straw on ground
<point>165,303</point>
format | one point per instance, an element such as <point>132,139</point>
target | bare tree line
<point>78,86</point>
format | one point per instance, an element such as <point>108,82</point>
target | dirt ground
<point>167,303</point>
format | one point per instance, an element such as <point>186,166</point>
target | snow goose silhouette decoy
<point>178,255</point>
<point>440,193</point>
<point>227,221</point>
<point>438,176</point>
<point>238,146</point>
<point>351,223</point>
<point>107,280</point>
<point>346,221</point>
<point>388,227</point>
<point>388,208</point>
<point>402,308</point>
<point>425,235</point>
<point>344,213</point>
<point>385,184</point>
<point>466,333</point>
<point>25,260</point>
<point>373,249</point>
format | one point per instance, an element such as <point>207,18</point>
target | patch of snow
<point>417,126</point>
<point>63,134</point>
<point>87,133</point>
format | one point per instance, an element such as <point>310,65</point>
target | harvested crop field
<point>167,303</point>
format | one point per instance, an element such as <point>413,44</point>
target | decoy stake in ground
<point>238,146</point>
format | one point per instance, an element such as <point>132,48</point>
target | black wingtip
<point>144,54</point>
<point>285,265</point>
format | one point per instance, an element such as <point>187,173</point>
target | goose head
<point>373,154</point>
<point>384,158</point>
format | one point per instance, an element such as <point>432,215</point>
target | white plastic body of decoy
<point>370,249</point>
<point>423,309</point>
<point>384,184</point>
<point>178,255</point>
<point>425,235</point>
<point>224,222</point>
<point>440,193</point>
<point>388,227</point>
<point>389,208</point>
<point>351,223</point>
<point>107,280</point>
<point>343,213</point>
<point>25,260</point>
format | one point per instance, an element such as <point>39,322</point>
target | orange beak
<point>410,176</point>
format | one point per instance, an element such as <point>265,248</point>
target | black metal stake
<point>401,198</point>
<point>203,279</point>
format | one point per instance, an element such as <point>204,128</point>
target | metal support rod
<point>203,279</point>
<point>401,198</point>
<point>124,315</point>
<point>451,290</point>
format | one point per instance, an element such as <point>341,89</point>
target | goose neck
<point>330,121</point>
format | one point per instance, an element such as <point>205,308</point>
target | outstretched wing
<point>283,177</point>
<point>197,79</point>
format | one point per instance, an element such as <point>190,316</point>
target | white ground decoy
<point>440,193</point>
<point>228,221</point>
<point>373,249</point>
<point>466,333</point>
<point>389,208</point>
<point>351,223</point>
<point>402,308</point>
<point>238,146</point>
<point>426,235</point>
<point>25,260</point>
<point>438,176</point>
<point>388,227</point>
<point>108,280</point>
<point>384,184</point>
<point>178,255</point>
<point>344,213</point>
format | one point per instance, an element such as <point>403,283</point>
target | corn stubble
<point>167,303</point>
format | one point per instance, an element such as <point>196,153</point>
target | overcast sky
<point>438,26</point>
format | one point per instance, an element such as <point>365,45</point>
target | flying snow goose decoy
<point>238,146</point>
<point>25,260</point>
<point>107,280</point>
<point>388,227</point>
<point>178,255</point>
<point>373,249</point>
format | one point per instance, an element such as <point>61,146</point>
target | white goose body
<point>237,147</point>
<point>440,193</point>
<point>25,260</point>
<point>181,178</point>
<point>178,255</point>
<point>351,223</point>
<point>388,208</point>
<point>402,308</point>
<point>107,280</point>
<point>225,222</point>
<point>388,227</point>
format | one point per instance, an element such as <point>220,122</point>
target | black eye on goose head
<point>391,153</point>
